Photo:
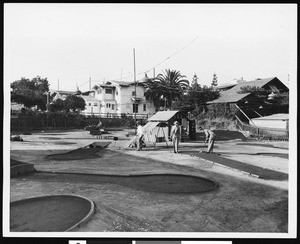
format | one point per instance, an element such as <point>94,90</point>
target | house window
<point>135,108</point>
<point>133,93</point>
<point>108,91</point>
<point>144,107</point>
<point>113,107</point>
<point>90,104</point>
<point>95,104</point>
<point>117,92</point>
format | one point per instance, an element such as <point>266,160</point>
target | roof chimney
<point>240,80</point>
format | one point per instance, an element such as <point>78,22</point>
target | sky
<point>71,43</point>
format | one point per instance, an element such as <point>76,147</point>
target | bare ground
<point>240,203</point>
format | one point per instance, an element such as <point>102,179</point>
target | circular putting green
<point>55,213</point>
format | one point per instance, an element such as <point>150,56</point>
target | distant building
<point>230,97</point>
<point>60,94</point>
<point>15,109</point>
<point>117,98</point>
<point>92,105</point>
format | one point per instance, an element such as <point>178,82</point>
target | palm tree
<point>166,88</point>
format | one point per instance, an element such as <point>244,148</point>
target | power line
<point>167,58</point>
<point>172,55</point>
<point>159,63</point>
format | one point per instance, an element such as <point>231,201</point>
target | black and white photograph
<point>134,120</point>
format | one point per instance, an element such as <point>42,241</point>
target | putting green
<point>49,213</point>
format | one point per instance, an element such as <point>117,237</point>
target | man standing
<point>175,136</point>
<point>210,137</point>
<point>139,136</point>
<point>99,125</point>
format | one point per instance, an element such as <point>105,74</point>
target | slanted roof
<point>226,86</point>
<point>229,97</point>
<point>115,83</point>
<point>274,117</point>
<point>123,83</point>
<point>150,126</point>
<point>232,95</point>
<point>163,116</point>
<point>90,98</point>
<point>258,83</point>
<point>64,92</point>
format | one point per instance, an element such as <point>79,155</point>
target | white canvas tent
<point>153,129</point>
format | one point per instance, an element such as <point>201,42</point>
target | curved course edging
<point>215,184</point>
<point>85,219</point>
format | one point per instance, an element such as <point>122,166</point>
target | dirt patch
<point>50,138</point>
<point>54,213</point>
<point>163,183</point>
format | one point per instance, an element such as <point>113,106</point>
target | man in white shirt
<point>210,137</point>
<point>175,136</point>
<point>139,136</point>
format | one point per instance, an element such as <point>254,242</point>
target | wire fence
<point>119,115</point>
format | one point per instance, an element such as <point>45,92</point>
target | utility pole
<point>134,104</point>
<point>90,84</point>
<point>153,73</point>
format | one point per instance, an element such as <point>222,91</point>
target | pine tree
<point>195,81</point>
<point>214,80</point>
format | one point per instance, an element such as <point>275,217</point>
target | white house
<point>117,98</point>
<point>92,104</point>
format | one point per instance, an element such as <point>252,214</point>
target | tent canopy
<point>163,116</point>
<point>150,126</point>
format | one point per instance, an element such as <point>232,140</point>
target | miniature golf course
<point>49,213</point>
